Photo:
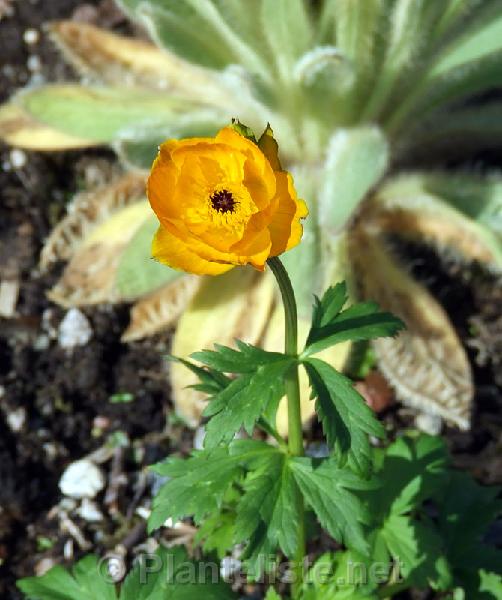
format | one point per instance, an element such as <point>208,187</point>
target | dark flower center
<point>223,201</point>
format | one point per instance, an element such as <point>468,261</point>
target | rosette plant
<point>360,92</point>
<point>224,203</point>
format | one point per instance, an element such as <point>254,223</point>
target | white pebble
<point>431,424</point>
<point>31,36</point>
<point>82,479</point>
<point>43,566</point>
<point>116,568</point>
<point>16,419</point>
<point>17,158</point>
<point>74,329</point>
<point>198,438</point>
<point>34,63</point>
<point>229,566</point>
<point>89,511</point>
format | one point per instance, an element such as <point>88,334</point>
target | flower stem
<point>292,385</point>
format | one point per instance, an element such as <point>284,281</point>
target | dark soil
<point>60,396</point>
<point>55,403</point>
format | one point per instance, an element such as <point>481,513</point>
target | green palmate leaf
<point>343,576</point>
<point>363,321</point>
<point>463,525</point>
<point>346,418</point>
<point>98,113</point>
<point>83,583</point>
<point>413,471</point>
<point>169,573</point>
<point>490,587</point>
<point>419,552</point>
<point>244,400</point>
<point>137,273</point>
<point>217,533</point>
<point>272,595</point>
<point>331,304</point>
<point>326,489</point>
<point>196,487</point>
<point>246,359</point>
<point>211,381</point>
<point>356,159</point>
<point>269,509</point>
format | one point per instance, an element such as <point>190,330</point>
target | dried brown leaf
<point>426,363</point>
<point>235,305</point>
<point>116,59</point>
<point>404,209</point>
<point>161,309</point>
<point>87,211</point>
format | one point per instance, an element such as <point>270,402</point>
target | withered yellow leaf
<point>234,305</point>
<point>87,212</point>
<point>162,308</point>
<point>404,206</point>
<point>426,363</point>
<point>89,277</point>
<point>19,128</point>
<point>119,60</point>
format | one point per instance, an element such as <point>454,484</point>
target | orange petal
<point>160,188</point>
<point>285,228</point>
<point>269,147</point>
<point>175,253</point>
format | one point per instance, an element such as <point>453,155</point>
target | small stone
<point>17,158</point>
<point>51,450</point>
<point>198,438</point>
<point>229,566</point>
<point>31,36</point>
<point>431,424</point>
<point>34,63</point>
<point>67,504</point>
<point>16,419</point>
<point>89,511</point>
<point>82,479</point>
<point>43,566</point>
<point>74,329</point>
<point>143,512</point>
<point>9,293</point>
<point>41,343</point>
<point>116,568</point>
<point>101,422</point>
<point>317,450</point>
<point>68,549</point>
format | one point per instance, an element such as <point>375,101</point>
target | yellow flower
<point>222,202</point>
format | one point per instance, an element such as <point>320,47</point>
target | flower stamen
<point>223,201</point>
